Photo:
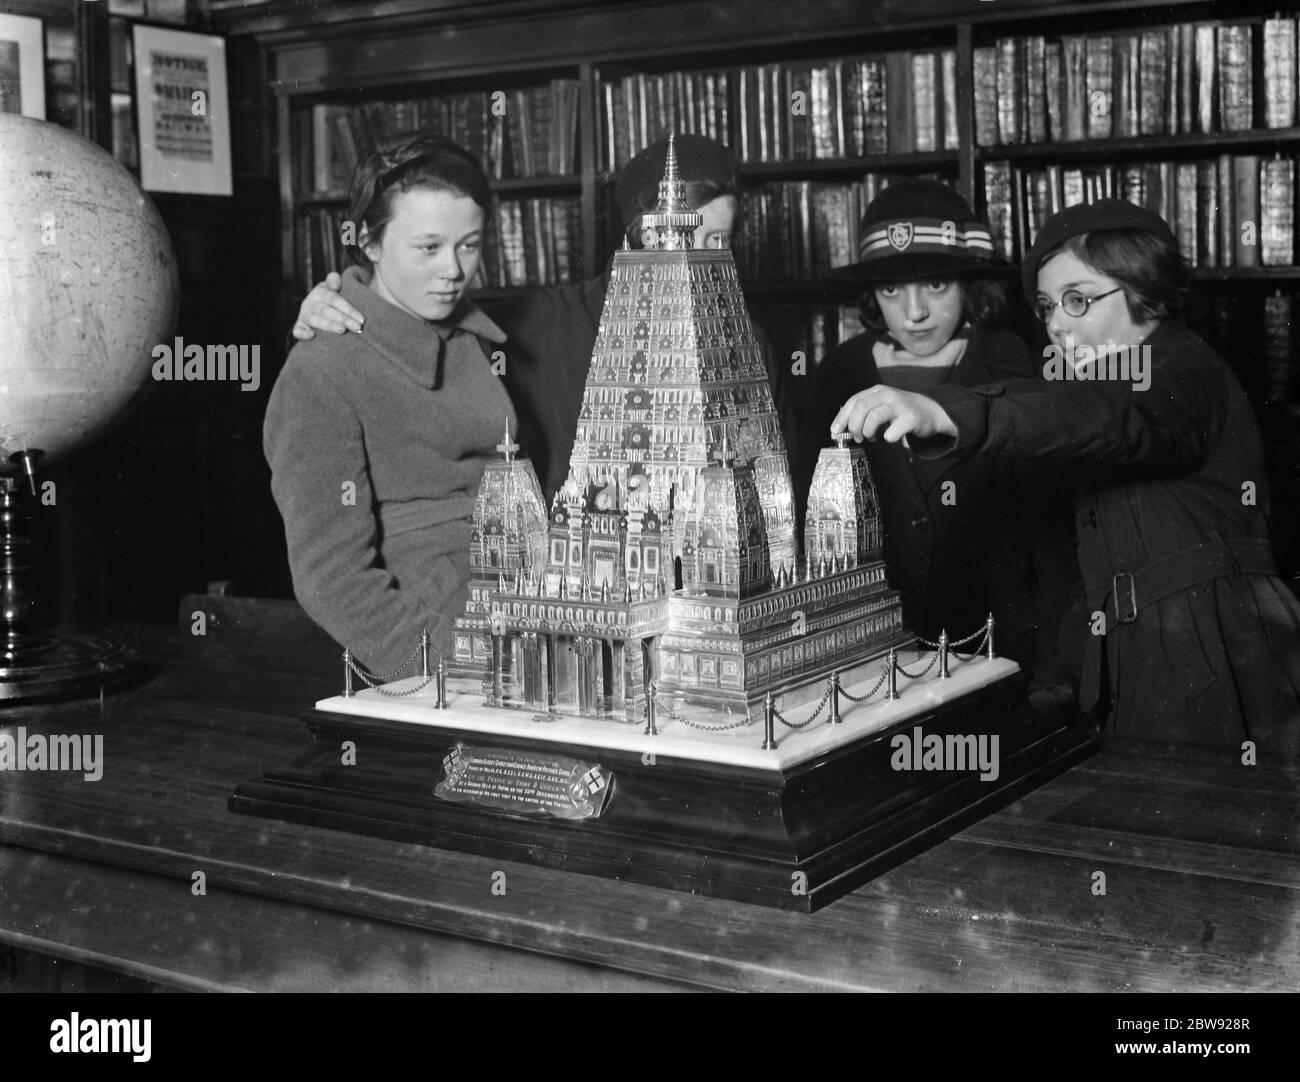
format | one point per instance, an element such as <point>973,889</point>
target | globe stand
<point>35,665</point>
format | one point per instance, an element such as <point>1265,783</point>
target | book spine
<point>1227,204</point>
<point>1207,215</point>
<point>1277,212</point>
<point>322,149</point>
<point>1236,101</point>
<point>1054,91</point>
<point>986,95</point>
<point>877,122</point>
<point>1279,348</point>
<point>924,102</point>
<point>1186,227</point>
<point>1101,87</point>
<point>1010,90</point>
<point>1207,96</point>
<point>951,129</point>
<point>1246,209</point>
<point>1166,180</point>
<point>1035,98</point>
<point>900,116</point>
<point>1075,61</point>
<point>1153,76</point>
<point>1280,73</point>
<point>1126,101</point>
<point>1187,87</point>
<point>1072,193</point>
<point>997,199</point>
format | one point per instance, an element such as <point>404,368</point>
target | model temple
<point>668,559</point>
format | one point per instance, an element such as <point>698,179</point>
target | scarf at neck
<point>889,354</point>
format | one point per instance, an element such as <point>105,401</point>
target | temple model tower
<point>669,552</point>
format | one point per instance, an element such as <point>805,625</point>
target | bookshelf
<point>723,69</point>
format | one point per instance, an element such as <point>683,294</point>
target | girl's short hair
<point>983,301</point>
<point>431,162</point>
<point>1149,267</point>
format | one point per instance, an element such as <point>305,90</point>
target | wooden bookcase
<point>335,53</point>
<point>349,54</point>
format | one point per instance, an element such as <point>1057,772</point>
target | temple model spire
<point>672,224</point>
<point>668,556</point>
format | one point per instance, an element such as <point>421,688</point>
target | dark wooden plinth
<point>734,832</point>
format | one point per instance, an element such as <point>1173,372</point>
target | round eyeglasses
<point>1074,303</point>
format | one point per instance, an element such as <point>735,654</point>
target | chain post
<point>769,723</point>
<point>835,696</point>
<point>943,655</point>
<point>988,630</point>
<point>892,693</point>
<point>650,729</point>
<point>441,704</point>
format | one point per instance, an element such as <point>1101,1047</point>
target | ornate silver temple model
<point>668,560</point>
<point>663,586</point>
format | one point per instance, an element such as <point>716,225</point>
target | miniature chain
<point>958,642</point>
<point>965,658</point>
<point>668,712</point>
<point>373,682</point>
<point>917,676</point>
<point>803,724</point>
<point>864,698</point>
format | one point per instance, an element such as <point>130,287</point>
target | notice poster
<point>183,119</point>
<point>22,66</point>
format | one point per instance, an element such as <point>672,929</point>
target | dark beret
<point>1087,218</point>
<point>699,160</point>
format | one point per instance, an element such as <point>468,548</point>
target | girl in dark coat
<point>1190,632</point>
<point>961,538</point>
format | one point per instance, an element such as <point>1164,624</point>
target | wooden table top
<point>1199,854</point>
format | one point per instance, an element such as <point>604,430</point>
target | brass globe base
<point>64,664</point>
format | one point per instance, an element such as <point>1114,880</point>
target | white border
<point>160,174</point>
<point>29,32</point>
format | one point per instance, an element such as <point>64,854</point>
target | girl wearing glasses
<point>961,538</point>
<point>1190,634</point>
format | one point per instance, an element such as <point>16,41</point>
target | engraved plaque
<point>524,782</point>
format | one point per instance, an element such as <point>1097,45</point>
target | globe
<point>88,287</point>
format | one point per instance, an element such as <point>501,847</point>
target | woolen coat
<point>1199,638</point>
<point>377,442</point>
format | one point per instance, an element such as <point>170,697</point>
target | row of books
<point>1184,78</point>
<point>514,133</point>
<point>795,230</point>
<point>533,242</point>
<point>899,102</point>
<point>529,242</point>
<point>1229,211</point>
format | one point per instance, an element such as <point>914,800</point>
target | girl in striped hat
<point>961,538</point>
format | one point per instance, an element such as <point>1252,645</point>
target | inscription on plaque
<point>524,782</point>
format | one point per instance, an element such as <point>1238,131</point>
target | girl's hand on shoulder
<point>897,413</point>
<point>324,309</point>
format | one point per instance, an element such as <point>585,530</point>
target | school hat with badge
<point>918,229</point>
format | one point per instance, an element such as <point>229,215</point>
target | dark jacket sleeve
<point>1104,425</point>
<point>314,443</point>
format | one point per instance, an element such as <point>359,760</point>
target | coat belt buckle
<point>1126,609</point>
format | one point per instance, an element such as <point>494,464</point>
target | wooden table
<point>1199,854</point>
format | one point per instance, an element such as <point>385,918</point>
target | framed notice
<point>22,66</point>
<point>183,111</point>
